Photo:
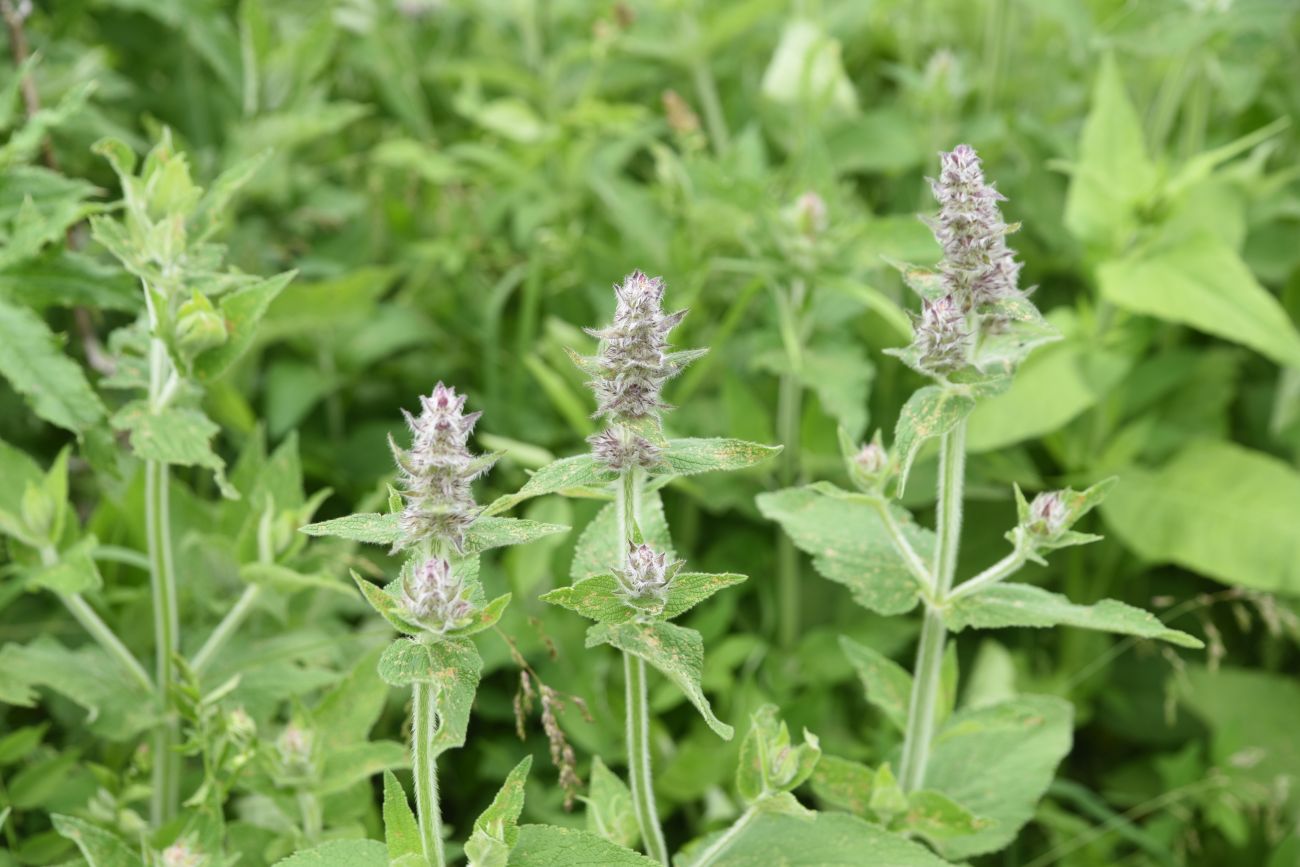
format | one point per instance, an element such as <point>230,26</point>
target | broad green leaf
<point>66,279</point>
<point>497,830</point>
<point>1113,174</point>
<point>844,784</point>
<point>75,571</point>
<point>599,548</point>
<point>1026,605</point>
<point>689,589</point>
<point>596,597</point>
<point>1203,283</point>
<point>241,310</point>
<point>825,840</point>
<point>369,527</point>
<point>351,707</point>
<point>1217,508</point>
<point>676,651</point>
<point>53,384</point>
<point>386,605</point>
<point>769,761</point>
<point>97,846</point>
<point>285,580</point>
<point>997,761</point>
<point>930,412</point>
<point>686,457</point>
<point>579,471</point>
<point>1021,329</point>
<point>340,853</point>
<point>552,846</point>
<point>18,744</point>
<point>1252,716</point>
<point>888,685</point>
<point>452,667</point>
<point>850,544</point>
<point>841,378</point>
<point>349,765</point>
<point>610,813</point>
<point>937,818</point>
<point>176,436</point>
<point>401,833</point>
<point>486,533</point>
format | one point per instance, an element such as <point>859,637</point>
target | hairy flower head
<point>435,596</point>
<point>644,578</point>
<point>634,358</point>
<point>438,469</point>
<point>978,266</point>
<point>942,334</point>
<point>619,447</point>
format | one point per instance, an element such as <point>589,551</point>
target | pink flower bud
<point>435,597</point>
<point>1047,514</point>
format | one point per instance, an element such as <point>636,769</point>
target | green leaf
<point>551,846</point>
<point>350,709</point>
<point>340,853</point>
<point>486,533</point>
<point>596,597</point>
<point>937,818</point>
<point>686,457</point>
<point>825,840</point>
<point>97,846</point>
<point>1113,174</point>
<point>930,412</point>
<point>386,605</point>
<point>401,833</point>
<point>579,471</point>
<point>1251,716</point>
<point>769,762</point>
<point>844,784</point>
<point>285,580</point>
<point>1025,605</point>
<point>241,310</point>
<point>676,651</point>
<point>1217,508</point>
<point>841,378</point>
<point>175,436</point>
<point>599,549</point>
<point>370,527</point>
<point>75,571</point>
<point>850,543</point>
<point>485,618</point>
<point>689,589</point>
<point>610,813</point>
<point>452,667</point>
<point>888,685</point>
<point>997,761</point>
<point>1202,282</point>
<point>357,762</point>
<point>497,830</point>
<point>53,384</point>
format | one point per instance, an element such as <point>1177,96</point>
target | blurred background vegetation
<point>458,184</point>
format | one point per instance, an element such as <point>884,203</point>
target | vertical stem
<point>627,503</point>
<point>244,605</point>
<point>789,415</point>
<point>424,725</point>
<point>929,658</point>
<point>166,767</point>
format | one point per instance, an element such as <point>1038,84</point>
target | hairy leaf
<point>452,667</point>
<point>686,457</point>
<point>176,436</point>
<point>579,471</point>
<point>369,527</point>
<point>610,813</point>
<point>551,846</point>
<point>340,853</point>
<point>888,684</point>
<point>97,846</point>
<point>401,833</point>
<point>930,412</point>
<point>497,830</point>
<point>52,383</point>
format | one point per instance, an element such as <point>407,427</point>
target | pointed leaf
<point>452,667</point>
<point>689,589</point>
<point>686,457</point>
<point>53,384</point>
<point>888,684</point>
<point>596,597</point>
<point>600,551</point>
<point>497,830</point>
<point>175,436</point>
<point>552,846</point>
<point>825,840</point>
<point>486,533</point>
<point>610,812</point>
<point>579,471</point>
<point>369,527</point>
<point>340,853</point>
<point>401,833</point>
<point>241,310</point>
<point>97,846</point>
<point>930,412</point>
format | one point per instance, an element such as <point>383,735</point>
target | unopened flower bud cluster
<point>435,596</point>
<point>645,576</point>
<point>1048,515</point>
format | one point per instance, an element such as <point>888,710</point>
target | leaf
<point>1026,605</point>
<point>997,761</point>
<point>285,580</point>
<point>386,605</point>
<point>770,764</point>
<point>686,457</point>
<point>888,685</point>
<point>1217,508</point>
<point>596,598</point>
<point>937,818</point>
<point>241,310</point>
<point>844,784</point>
<point>850,544</point>
<point>551,846</point>
<point>579,471</point>
<point>349,765</point>
<point>689,589</point>
<point>497,830</point>
<point>676,651</point>
<point>1202,282</point>
<point>486,533</point>
<point>351,707</point>
<point>1251,715</point>
<point>401,833</point>
<point>340,853</point>
<point>97,846</point>
<point>841,377</point>
<point>452,667</point>
<point>1113,173</point>
<point>610,812</point>
<point>53,384</point>
<point>176,437</point>
<point>370,527</point>
<point>806,69</point>
<point>599,549</point>
<point>930,412</point>
<point>825,840</point>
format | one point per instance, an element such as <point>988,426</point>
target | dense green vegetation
<point>237,239</point>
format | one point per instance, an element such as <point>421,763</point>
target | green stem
<point>627,500</point>
<point>999,571</point>
<point>723,843</point>
<point>166,766</point>
<point>929,658</point>
<point>312,823</point>
<point>789,415</point>
<point>706,87</point>
<point>424,725</point>
<point>915,564</point>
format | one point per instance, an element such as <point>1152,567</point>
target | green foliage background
<point>458,184</point>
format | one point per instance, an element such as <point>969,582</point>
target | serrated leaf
<point>888,685</point>
<point>599,549</point>
<point>689,589</point>
<point>997,761</point>
<point>241,310</point>
<point>675,651</point>
<point>774,839</point>
<point>340,853</point>
<point>596,597</point>
<point>53,384</point>
<point>850,544</point>
<point>451,667</point>
<point>930,412</point>
<point>497,830</point>
<point>610,812</point>
<point>841,378</point>
<point>686,457</point>
<point>370,527</point>
<point>1026,605</point>
<point>175,436</point>
<point>485,618</point>
<point>486,533</point>
<point>551,846</point>
<point>99,847</point>
<point>579,471</point>
<point>386,605</point>
<point>401,832</point>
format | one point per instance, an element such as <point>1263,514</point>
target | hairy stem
<point>627,502</point>
<point>789,416</point>
<point>929,657</point>
<point>723,843</point>
<point>915,564</point>
<point>999,571</point>
<point>424,725</point>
